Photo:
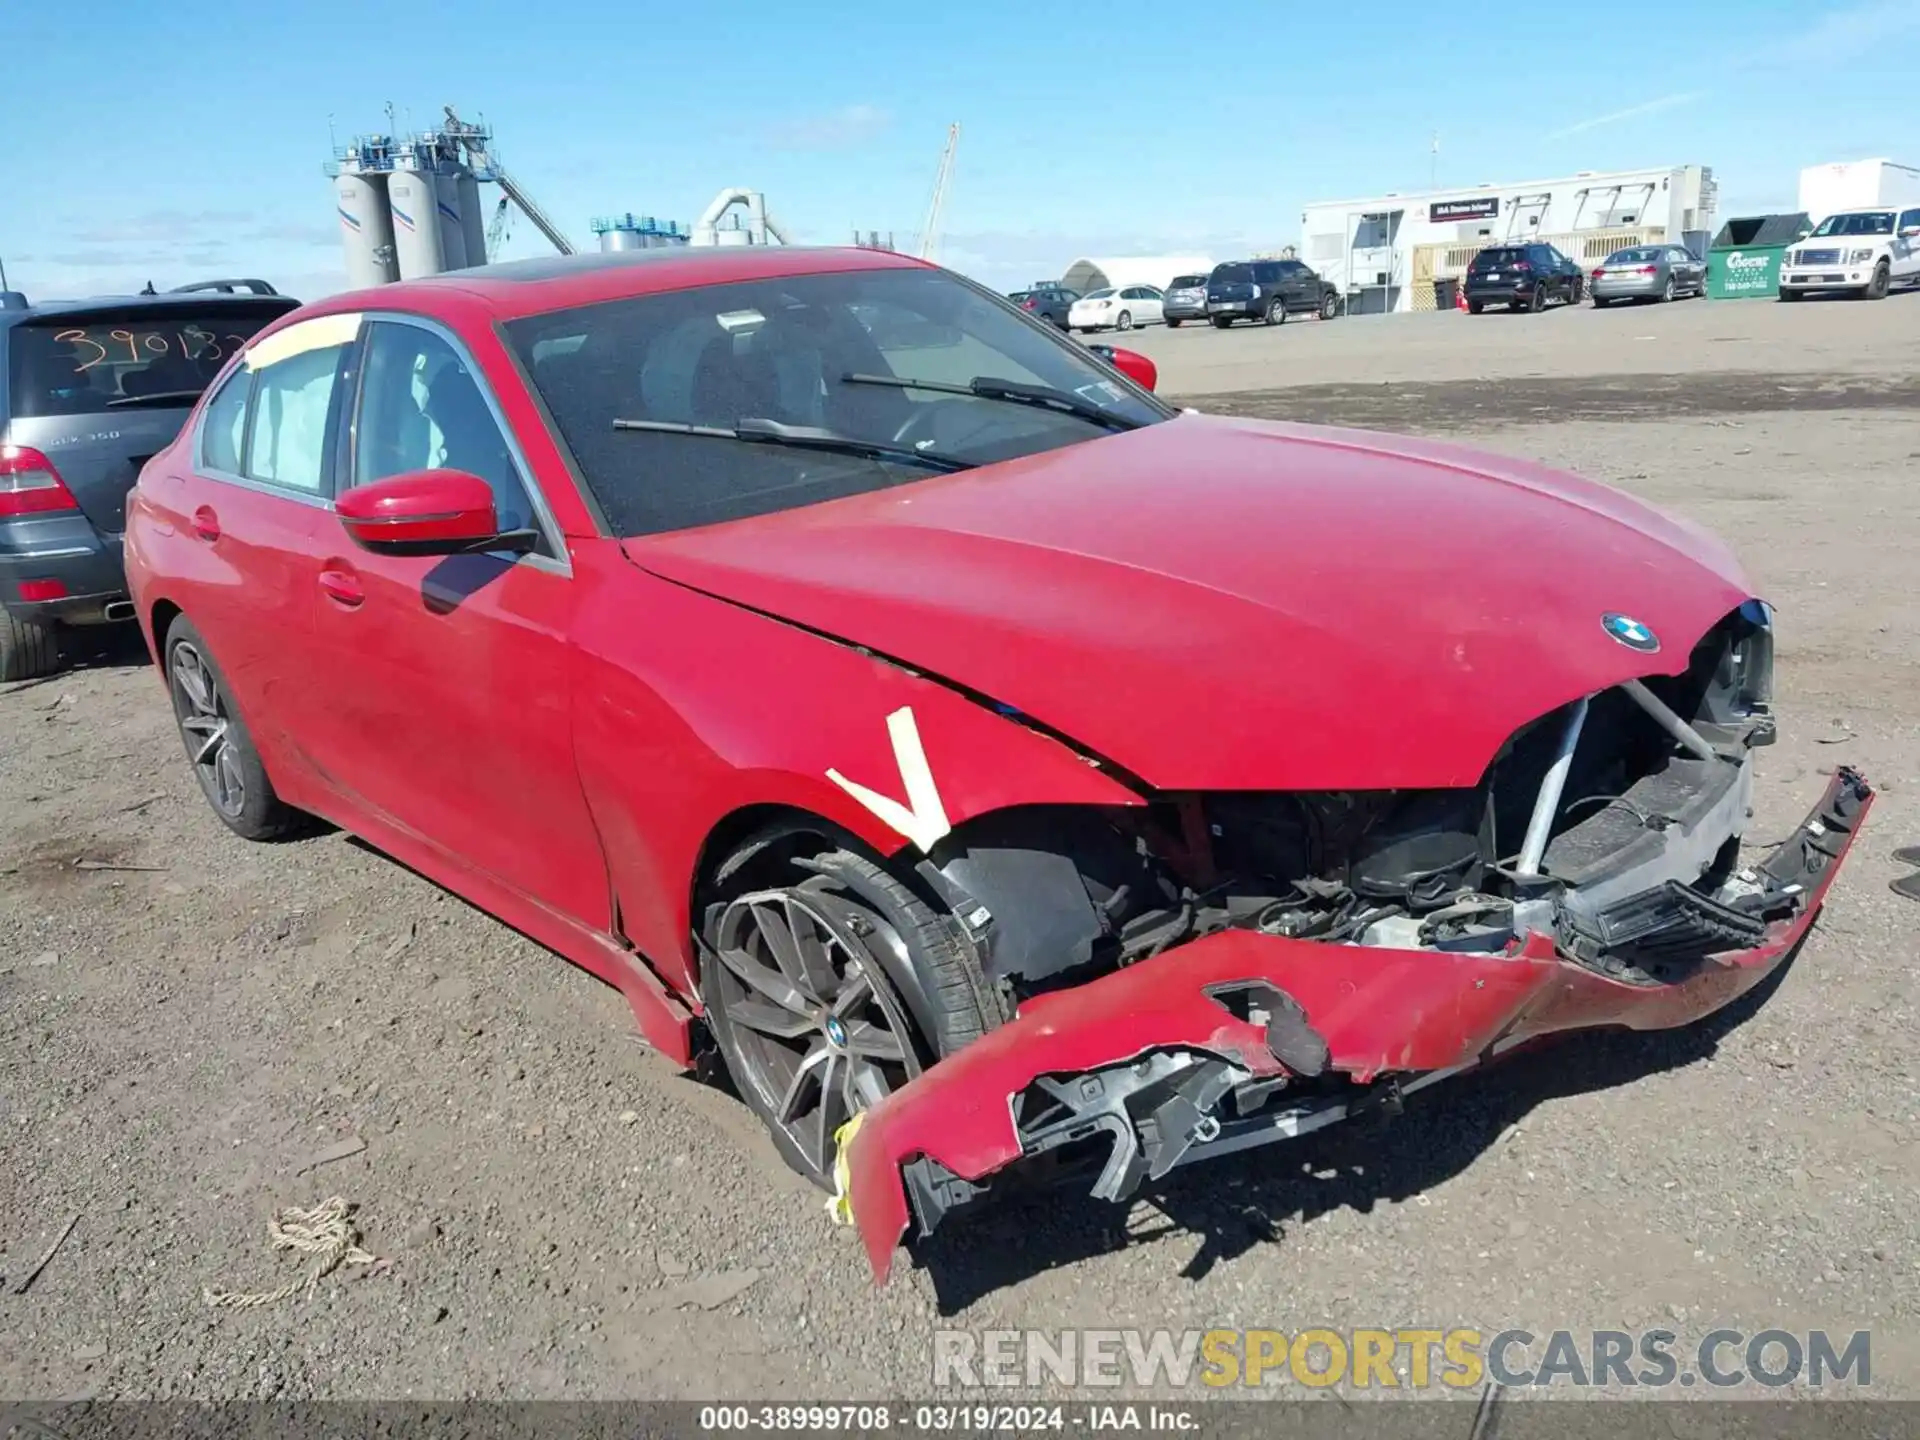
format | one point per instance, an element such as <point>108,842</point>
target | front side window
<point>825,353</point>
<point>295,374</point>
<point>421,408</point>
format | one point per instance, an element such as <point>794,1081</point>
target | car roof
<point>514,288</point>
<point>43,309</point>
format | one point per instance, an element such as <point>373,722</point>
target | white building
<point>1857,185</point>
<point>1385,254</point>
<point>1085,275</point>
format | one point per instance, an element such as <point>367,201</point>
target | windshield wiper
<point>158,397</point>
<point>1043,397</point>
<point>753,430</point>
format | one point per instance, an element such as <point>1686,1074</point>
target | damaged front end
<point>1211,973</point>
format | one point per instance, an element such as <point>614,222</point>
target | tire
<point>1792,294</point>
<point>1878,286</point>
<point>1474,307</point>
<point>1221,322</point>
<point>222,753</point>
<point>1275,313</point>
<point>1175,324</point>
<point>1601,302</point>
<point>1537,301</point>
<point>28,648</point>
<point>1666,295</point>
<point>1329,307</point>
<point>1124,320</point>
<point>899,975</point>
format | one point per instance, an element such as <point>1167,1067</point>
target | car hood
<point>1216,603</point>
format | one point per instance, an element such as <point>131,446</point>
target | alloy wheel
<point>207,728</point>
<point>820,1032</point>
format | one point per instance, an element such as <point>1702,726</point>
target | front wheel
<point>1329,307</point>
<point>827,985</point>
<point>1882,281</point>
<point>222,753</point>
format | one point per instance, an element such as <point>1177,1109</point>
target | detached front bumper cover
<point>1148,1054</point>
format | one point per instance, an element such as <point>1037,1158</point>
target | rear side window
<point>222,432</point>
<point>101,361</point>
<point>292,404</point>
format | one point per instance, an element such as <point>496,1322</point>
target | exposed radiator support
<point>1547,804</point>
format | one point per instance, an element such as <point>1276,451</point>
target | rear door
<point>101,391</point>
<point>233,521</point>
<point>1906,248</point>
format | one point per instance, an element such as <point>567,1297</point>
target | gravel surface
<point>559,1213</point>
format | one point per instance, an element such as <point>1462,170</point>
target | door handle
<point>342,587</point>
<point>206,524</point>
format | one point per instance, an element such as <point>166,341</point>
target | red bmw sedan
<point>990,760</point>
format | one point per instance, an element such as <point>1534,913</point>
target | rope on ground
<point>325,1232</point>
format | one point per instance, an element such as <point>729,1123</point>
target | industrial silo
<point>416,219</point>
<point>473,223</point>
<point>453,234</point>
<point>366,228</point>
<point>620,233</point>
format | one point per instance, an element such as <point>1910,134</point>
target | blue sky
<point>172,141</point>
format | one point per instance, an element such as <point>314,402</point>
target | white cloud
<point>1632,112</point>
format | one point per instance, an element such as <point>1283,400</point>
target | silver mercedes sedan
<point>1647,272</point>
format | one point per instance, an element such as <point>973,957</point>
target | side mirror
<point>425,512</point>
<point>1909,232</point>
<point>1130,363</point>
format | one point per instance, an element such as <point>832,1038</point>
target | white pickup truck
<point>1862,252</point>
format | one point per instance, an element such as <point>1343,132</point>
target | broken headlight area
<point>1611,827</point>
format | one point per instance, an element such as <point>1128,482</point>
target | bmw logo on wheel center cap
<point>1630,632</point>
<point>836,1032</point>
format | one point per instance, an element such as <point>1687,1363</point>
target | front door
<point>448,679</point>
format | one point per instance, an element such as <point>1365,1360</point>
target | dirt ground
<point>564,1215</point>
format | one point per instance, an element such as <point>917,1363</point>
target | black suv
<point>90,390</point>
<point>1047,301</point>
<point>1522,277</point>
<point>1268,291</point>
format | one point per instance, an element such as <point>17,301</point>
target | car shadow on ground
<point>91,647</point>
<point>1238,1202</point>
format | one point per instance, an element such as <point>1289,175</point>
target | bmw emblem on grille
<point>1630,632</point>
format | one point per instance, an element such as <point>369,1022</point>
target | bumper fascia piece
<point>1375,1015</point>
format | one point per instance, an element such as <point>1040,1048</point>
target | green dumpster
<point>1743,263</point>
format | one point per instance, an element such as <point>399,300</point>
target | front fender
<point>688,710</point>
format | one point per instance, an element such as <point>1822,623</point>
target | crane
<point>930,234</point>
<point>473,139</point>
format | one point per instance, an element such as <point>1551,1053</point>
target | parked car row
<point>1533,276</point>
<point>1267,291</point>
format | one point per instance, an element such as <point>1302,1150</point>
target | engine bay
<point>1612,825</point>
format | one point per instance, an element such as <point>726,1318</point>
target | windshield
<point>100,361</point>
<point>1232,275</point>
<point>781,351</point>
<point>1187,282</point>
<point>1879,222</point>
<point>1641,256</point>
